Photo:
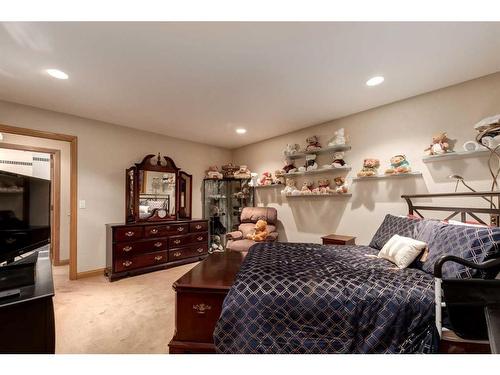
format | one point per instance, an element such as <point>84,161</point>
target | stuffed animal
<point>229,170</point>
<point>312,143</point>
<point>323,188</point>
<point>244,193</point>
<point>338,138</point>
<point>254,178</point>
<point>338,160</point>
<point>213,172</point>
<point>266,179</point>
<point>243,172</point>
<point>370,168</point>
<point>216,246</point>
<point>440,145</point>
<point>279,177</point>
<point>289,166</point>
<point>307,188</point>
<point>311,162</point>
<point>291,149</point>
<point>340,185</point>
<point>290,187</point>
<point>399,164</point>
<point>260,232</point>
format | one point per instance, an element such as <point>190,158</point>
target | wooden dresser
<point>198,304</point>
<point>136,248</point>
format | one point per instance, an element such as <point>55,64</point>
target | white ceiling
<point>200,81</point>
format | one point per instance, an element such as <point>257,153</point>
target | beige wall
<point>104,152</point>
<point>403,127</point>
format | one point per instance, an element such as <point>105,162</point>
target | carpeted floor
<point>133,315</point>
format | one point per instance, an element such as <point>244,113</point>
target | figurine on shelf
<point>370,168</point>
<point>228,170</point>
<point>279,177</point>
<point>243,172</point>
<point>291,149</point>
<point>311,162</point>
<point>254,177</point>
<point>340,185</point>
<point>323,187</point>
<point>260,231</point>
<point>213,172</point>
<point>399,164</point>
<point>313,143</point>
<point>338,160</point>
<point>216,246</point>
<point>266,179</point>
<point>338,138</point>
<point>290,187</point>
<point>440,145</point>
<point>244,193</point>
<point>289,166</point>
<point>307,188</point>
<point>216,225</point>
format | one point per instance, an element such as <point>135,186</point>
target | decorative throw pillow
<point>403,226</point>
<point>401,251</point>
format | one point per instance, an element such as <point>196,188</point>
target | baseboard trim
<point>91,273</point>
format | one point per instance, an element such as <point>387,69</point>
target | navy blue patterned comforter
<point>308,298</point>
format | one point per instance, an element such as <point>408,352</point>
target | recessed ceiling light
<point>241,131</point>
<point>374,81</point>
<point>56,73</point>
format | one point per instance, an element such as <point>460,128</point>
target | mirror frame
<point>188,178</point>
<point>132,188</point>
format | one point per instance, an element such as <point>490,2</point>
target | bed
<point>310,298</point>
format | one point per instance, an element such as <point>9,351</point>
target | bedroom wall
<point>104,152</point>
<point>404,127</point>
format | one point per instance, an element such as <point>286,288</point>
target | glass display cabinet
<point>223,200</point>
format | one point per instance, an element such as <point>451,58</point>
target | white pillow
<point>401,251</point>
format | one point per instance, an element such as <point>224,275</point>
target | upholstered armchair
<point>237,240</point>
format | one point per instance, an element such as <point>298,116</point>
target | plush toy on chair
<point>260,233</point>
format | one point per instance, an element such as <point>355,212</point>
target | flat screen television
<point>24,214</point>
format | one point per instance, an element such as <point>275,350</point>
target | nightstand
<point>337,239</point>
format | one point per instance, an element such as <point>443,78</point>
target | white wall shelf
<point>386,176</point>
<point>270,186</point>
<point>336,195</point>
<point>455,155</point>
<point>319,170</point>
<point>323,150</point>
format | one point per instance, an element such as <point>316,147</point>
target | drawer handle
<point>199,238</point>
<point>200,250</point>
<point>158,244</point>
<point>177,254</point>
<point>198,226</point>
<point>202,308</point>
<point>158,257</point>
<point>177,242</point>
<point>129,233</point>
<point>153,231</point>
<point>127,248</point>
<point>180,229</point>
<point>127,263</point>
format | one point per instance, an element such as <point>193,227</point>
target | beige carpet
<point>132,315</point>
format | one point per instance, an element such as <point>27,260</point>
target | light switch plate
<point>82,203</point>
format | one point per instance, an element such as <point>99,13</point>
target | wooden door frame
<point>55,176</point>
<point>73,141</point>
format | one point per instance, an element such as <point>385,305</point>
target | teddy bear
<point>323,187</point>
<point>399,164</point>
<point>440,145</point>
<point>289,166</point>
<point>291,149</point>
<point>260,231</point>
<point>341,186</point>
<point>243,172</point>
<point>307,188</point>
<point>370,168</point>
<point>266,179</point>
<point>338,138</point>
<point>213,172</point>
<point>311,163</point>
<point>254,177</point>
<point>216,246</point>
<point>290,187</point>
<point>338,159</point>
<point>313,143</point>
<point>279,177</point>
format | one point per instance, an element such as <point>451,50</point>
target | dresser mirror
<point>157,190</point>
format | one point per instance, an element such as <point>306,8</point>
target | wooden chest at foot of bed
<point>198,304</point>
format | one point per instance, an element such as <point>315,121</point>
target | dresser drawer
<point>178,229</point>
<point>156,230</point>
<point>179,253</point>
<point>128,233</point>
<point>134,248</point>
<point>198,226</point>
<point>199,250</point>
<point>142,260</point>
<point>177,241</point>
<point>198,237</point>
